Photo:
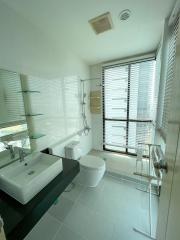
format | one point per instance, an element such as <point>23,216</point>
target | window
<point>166,64</point>
<point>172,39</point>
<point>130,102</point>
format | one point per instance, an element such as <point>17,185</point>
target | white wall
<point>59,102</point>
<point>25,49</point>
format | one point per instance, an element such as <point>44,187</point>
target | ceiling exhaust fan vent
<point>102,23</point>
<point>125,14</point>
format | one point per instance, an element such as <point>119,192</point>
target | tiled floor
<point>108,212</point>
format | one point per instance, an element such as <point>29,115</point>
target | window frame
<point>128,63</point>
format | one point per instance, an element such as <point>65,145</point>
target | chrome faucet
<point>22,154</point>
<point>11,149</point>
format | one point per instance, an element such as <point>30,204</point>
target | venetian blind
<point>11,100</point>
<point>173,33</point>
<point>130,102</point>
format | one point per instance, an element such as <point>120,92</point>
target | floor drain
<point>31,172</point>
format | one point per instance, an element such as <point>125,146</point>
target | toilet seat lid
<point>93,162</point>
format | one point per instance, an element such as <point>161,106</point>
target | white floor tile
<point>74,193</point>
<point>113,197</point>
<point>66,234</point>
<point>45,229</point>
<point>88,223</point>
<point>61,209</point>
<point>126,233</point>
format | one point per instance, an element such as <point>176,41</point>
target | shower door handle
<point>161,165</point>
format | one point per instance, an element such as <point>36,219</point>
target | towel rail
<point>155,158</point>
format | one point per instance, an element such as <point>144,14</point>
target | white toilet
<point>92,168</point>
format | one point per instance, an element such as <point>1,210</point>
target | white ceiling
<point>66,22</point>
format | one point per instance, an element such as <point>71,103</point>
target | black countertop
<point>20,219</point>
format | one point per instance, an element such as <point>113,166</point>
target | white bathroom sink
<point>23,180</point>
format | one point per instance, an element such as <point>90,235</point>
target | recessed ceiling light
<point>124,15</point>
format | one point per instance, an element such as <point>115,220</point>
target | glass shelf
<point>32,115</point>
<point>37,136</point>
<point>29,91</point>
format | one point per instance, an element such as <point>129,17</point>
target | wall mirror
<point>13,125</point>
